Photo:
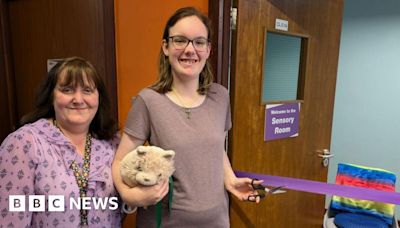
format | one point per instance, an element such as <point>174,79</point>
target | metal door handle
<point>325,154</point>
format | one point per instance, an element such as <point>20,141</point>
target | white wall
<point>366,122</point>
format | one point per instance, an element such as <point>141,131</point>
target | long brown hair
<point>164,82</point>
<point>103,126</point>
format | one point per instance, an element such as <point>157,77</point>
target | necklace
<point>184,107</point>
<point>82,177</point>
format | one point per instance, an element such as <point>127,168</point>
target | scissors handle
<point>256,186</point>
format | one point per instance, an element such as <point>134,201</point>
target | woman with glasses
<point>186,112</point>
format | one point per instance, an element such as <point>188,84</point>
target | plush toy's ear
<point>168,154</point>
<point>141,150</point>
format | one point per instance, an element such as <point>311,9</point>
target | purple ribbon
<point>325,188</point>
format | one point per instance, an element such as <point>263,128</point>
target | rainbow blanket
<point>366,177</point>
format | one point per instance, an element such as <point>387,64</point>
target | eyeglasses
<point>181,42</point>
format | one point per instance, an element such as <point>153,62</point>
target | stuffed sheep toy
<point>147,165</point>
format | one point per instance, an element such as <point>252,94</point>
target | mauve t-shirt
<point>199,195</point>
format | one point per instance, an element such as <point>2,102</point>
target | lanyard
<point>159,204</point>
<point>82,177</point>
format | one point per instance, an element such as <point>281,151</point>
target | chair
<point>354,213</point>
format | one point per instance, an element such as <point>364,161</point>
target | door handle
<point>325,154</point>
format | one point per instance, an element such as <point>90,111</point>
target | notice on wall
<point>281,121</point>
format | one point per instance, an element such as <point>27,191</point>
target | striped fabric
<point>366,177</point>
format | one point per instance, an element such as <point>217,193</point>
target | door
<point>7,115</point>
<point>35,31</point>
<point>296,157</point>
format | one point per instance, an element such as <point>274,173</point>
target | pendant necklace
<point>82,177</point>
<point>185,109</point>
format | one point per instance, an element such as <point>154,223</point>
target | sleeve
<point>138,123</point>
<point>16,177</point>
<point>114,142</point>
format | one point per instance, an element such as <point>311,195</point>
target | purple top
<point>35,160</point>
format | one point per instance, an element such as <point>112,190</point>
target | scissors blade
<point>275,190</point>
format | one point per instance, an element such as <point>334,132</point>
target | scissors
<point>262,191</point>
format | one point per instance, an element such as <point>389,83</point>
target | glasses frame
<point>189,41</point>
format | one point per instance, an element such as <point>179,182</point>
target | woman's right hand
<point>140,196</point>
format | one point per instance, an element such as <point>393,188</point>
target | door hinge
<point>233,18</point>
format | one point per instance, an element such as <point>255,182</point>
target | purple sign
<point>281,121</point>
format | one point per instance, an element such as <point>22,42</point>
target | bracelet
<point>127,209</point>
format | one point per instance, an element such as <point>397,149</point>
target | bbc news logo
<point>56,203</point>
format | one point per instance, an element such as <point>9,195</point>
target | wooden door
<point>293,157</point>
<point>35,31</point>
<point>7,114</point>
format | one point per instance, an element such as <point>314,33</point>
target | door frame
<point>219,13</point>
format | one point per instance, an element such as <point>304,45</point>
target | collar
<point>101,153</point>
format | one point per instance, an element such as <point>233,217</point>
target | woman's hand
<point>140,196</point>
<point>137,196</point>
<point>242,189</point>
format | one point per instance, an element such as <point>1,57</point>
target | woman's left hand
<point>242,189</point>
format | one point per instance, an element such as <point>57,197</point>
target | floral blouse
<point>36,160</point>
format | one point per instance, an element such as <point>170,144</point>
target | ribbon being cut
<point>326,188</point>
